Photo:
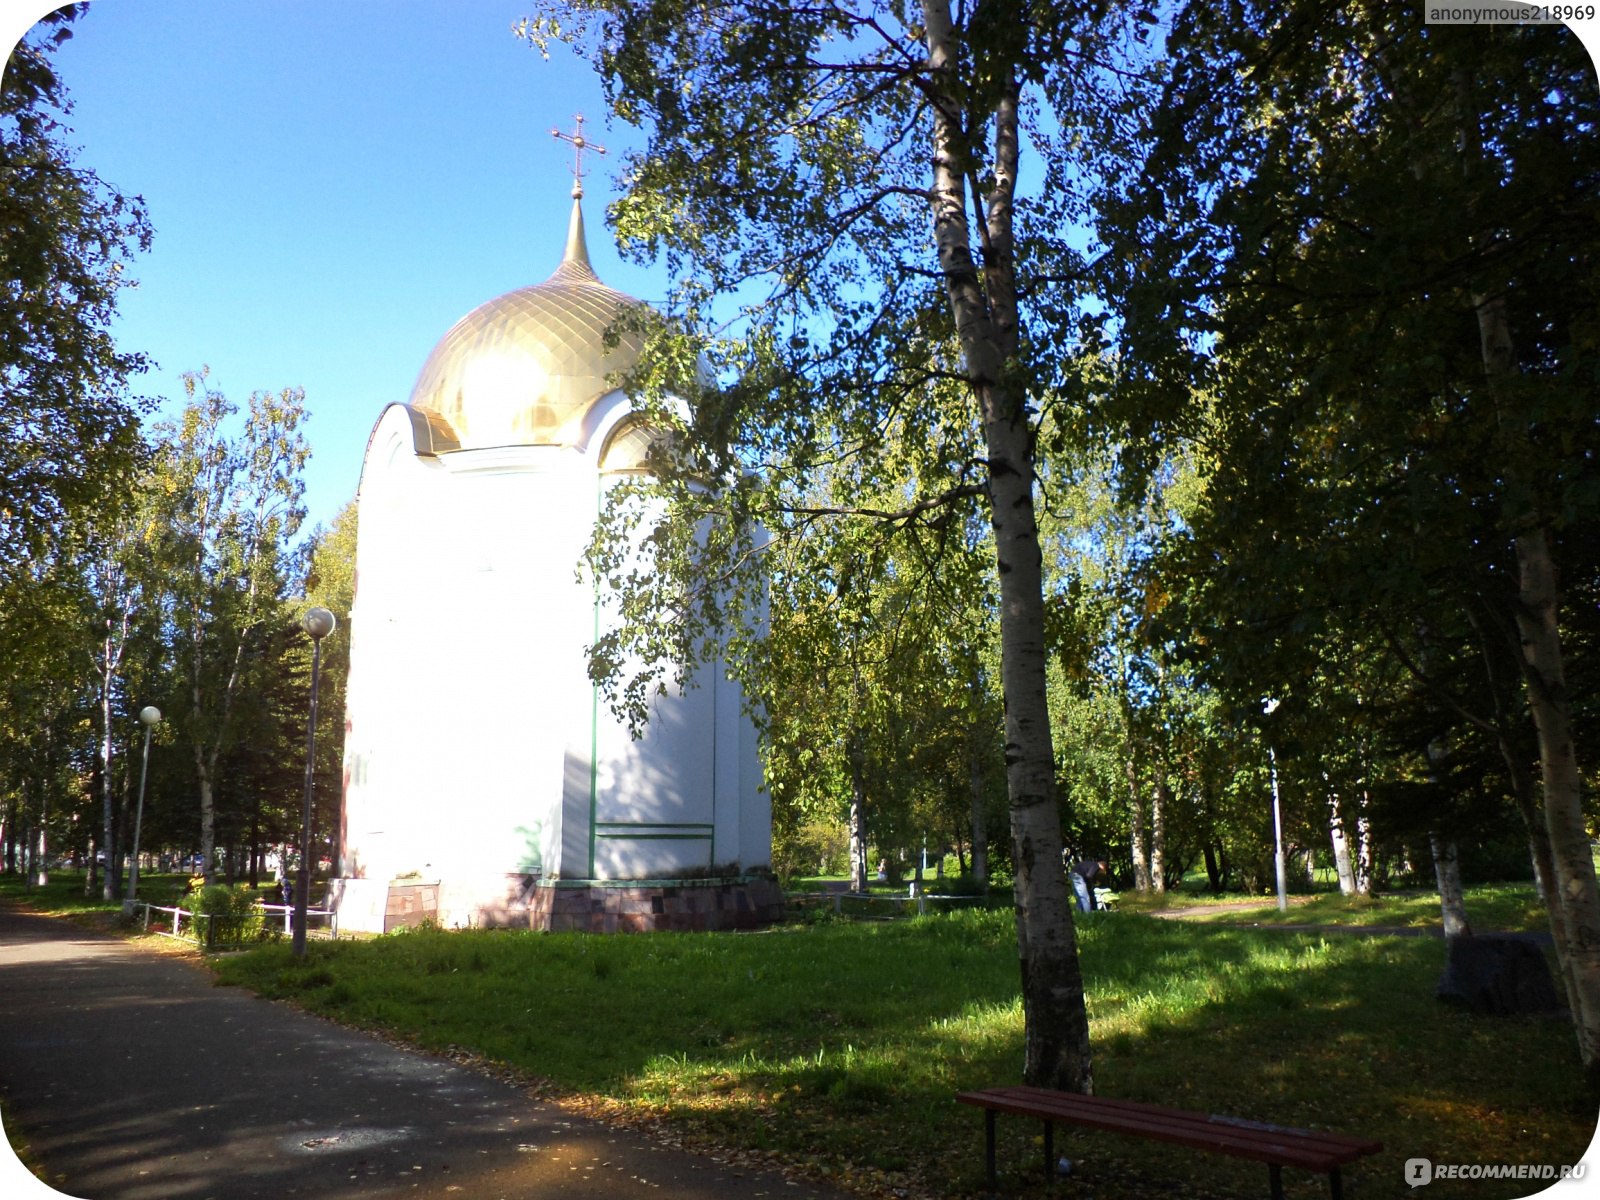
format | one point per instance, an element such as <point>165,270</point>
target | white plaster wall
<point>476,748</point>
<point>467,658</point>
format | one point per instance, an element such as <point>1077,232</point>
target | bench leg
<point>1275,1178</point>
<point>988,1143</point>
<point>1049,1152</point>
<point>1336,1183</point>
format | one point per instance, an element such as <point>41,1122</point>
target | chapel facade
<point>485,780</point>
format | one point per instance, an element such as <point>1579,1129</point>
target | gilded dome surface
<point>523,369</point>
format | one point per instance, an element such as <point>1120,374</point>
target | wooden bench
<point>1274,1145</point>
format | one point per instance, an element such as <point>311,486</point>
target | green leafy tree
<point>71,446</point>
<point>46,739</point>
<point>850,176</point>
<point>232,504</point>
<point>1370,240</point>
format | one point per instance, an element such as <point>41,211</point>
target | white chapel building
<point>485,780</point>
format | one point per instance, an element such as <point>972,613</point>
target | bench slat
<point>1071,1104</point>
<point>1309,1149</point>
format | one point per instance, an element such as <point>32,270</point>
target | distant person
<point>1083,876</point>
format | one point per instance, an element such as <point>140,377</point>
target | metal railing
<point>209,940</point>
<point>287,910</point>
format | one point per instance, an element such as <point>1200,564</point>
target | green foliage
<point>230,504</point>
<point>796,161</point>
<point>1295,295</point>
<point>229,915</point>
<point>72,446</point>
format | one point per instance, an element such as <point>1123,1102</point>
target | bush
<point>234,918</point>
<point>814,847</point>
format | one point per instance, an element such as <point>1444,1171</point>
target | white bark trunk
<point>1056,1036</point>
<point>1158,837</point>
<point>1341,847</point>
<point>1136,832</point>
<point>1578,928</point>
<point>1447,871</point>
<point>858,810</point>
<point>1364,862</point>
<point>980,832</point>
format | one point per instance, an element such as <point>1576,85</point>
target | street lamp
<point>1269,707</point>
<point>149,717</point>
<point>319,623</point>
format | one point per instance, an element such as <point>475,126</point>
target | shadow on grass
<point>848,1042</point>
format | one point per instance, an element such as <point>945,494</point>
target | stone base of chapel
<point>642,906</point>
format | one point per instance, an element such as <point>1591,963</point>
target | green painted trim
<point>658,837</point>
<point>718,673</point>
<point>657,825</point>
<point>594,699</point>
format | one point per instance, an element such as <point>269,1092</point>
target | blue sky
<point>332,185</point>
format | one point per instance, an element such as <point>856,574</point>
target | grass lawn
<point>840,1045</point>
<point>1491,908</point>
<point>62,895</point>
<point>837,1046</point>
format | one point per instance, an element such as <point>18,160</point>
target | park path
<point>128,1076</point>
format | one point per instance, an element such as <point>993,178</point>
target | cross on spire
<point>579,145</point>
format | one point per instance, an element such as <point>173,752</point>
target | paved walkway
<point>128,1076</point>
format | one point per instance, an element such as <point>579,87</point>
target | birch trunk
<point>1341,846</point>
<point>1364,869</point>
<point>858,817</point>
<point>108,886</point>
<point>1136,833</point>
<point>984,310</point>
<point>1158,836</point>
<point>1447,871</point>
<point>1544,871</point>
<point>980,831</point>
<point>106,668</point>
<point>1577,929</point>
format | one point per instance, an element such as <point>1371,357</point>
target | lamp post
<point>1269,707</point>
<point>149,717</point>
<point>319,623</point>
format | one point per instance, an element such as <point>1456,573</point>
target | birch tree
<point>233,503</point>
<point>849,179</point>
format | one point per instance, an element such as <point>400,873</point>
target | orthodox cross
<point>579,145</point>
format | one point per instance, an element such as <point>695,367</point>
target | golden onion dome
<point>523,369</point>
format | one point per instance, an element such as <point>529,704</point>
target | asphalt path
<point>128,1075</point>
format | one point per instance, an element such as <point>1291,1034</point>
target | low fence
<point>216,930</point>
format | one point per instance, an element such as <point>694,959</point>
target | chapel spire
<point>577,251</point>
<point>575,259</point>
